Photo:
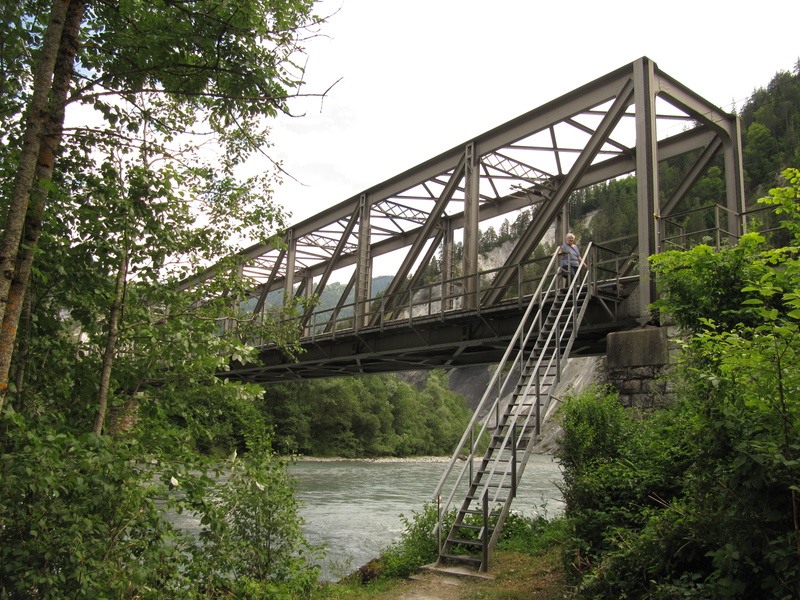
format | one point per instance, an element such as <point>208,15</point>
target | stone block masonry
<point>639,365</point>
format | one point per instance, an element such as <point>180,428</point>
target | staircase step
<point>498,473</point>
<point>478,543</point>
<point>500,486</point>
<point>472,527</point>
<point>478,511</point>
<point>480,498</point>
<point>463,558</point>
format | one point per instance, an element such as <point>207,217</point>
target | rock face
<point>471,382</point>
<point>643,383</point>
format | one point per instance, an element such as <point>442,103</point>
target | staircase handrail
<point>571,292</point>
<point>482,404</point>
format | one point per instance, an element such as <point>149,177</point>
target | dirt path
<point>434,586</point>
<point>517,577</point>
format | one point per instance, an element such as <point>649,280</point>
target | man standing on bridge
<point>570,256</point>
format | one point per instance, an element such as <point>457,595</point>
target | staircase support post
<point>471,452</point>
<point>537,406</point>
<point>485,533</point>
<point>514,460</point>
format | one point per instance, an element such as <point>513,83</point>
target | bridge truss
<point>626,122</point>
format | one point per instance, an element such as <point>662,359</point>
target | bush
<point>419,543</point>
<point>253,544</point>
<point>701,500</point>
<point>416,547</point>
<point>532,535</point>
<point>78,520</point>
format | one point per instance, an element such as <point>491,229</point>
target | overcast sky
<point>419,77</point>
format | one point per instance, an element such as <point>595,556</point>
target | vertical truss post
<point>363,265</point>
<point>734,179</point>
<point>309,293</point>
<point>471,227</point>
<point>291,256</point>
<point>562,224</point>
<point>448,268</point>
<point>646,179</point>
<point>230,324</point>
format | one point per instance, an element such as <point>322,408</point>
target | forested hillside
<point>370,416</point>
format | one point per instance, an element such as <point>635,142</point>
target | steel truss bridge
<point>626,122</point>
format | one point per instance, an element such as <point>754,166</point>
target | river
<point>354,507</point>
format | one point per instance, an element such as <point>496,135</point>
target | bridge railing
<point>428,300</point>
<point>711,225</point>
<point>610,263</point>
<point>764,220</point>
<point>443,298</point>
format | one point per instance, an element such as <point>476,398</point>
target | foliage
<point>701,500</point>
<point>83,517</point>
<point>78,519</point>
<point>417,546</point>
<point>771,130</point>
<point>703,281</point>
<point>532,535</point>
<point>139,194</point>
<point>252,541</point>
<point>368,416</point>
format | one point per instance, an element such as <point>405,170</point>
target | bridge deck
<point>456,338</point>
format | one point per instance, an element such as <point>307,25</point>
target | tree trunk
<point>37,117</point>
<point>23,346</point>
<point>50,125</point>
<point>111,342</point>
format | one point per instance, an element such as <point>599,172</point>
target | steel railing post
<point>514,460</point>
<point>485,533</point>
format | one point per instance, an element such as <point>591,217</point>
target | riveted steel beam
<point>646,180</point>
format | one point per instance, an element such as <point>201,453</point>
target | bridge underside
<point>468,338</point>
<point>424,227</point>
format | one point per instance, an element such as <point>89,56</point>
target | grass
<point>515,576</point>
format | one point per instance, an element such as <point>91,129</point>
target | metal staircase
<point>505,431</point>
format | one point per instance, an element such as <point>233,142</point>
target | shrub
<point>417,546</point>
<point>78,520</point>
<point>253,544</point>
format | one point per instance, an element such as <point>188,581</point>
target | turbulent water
<point>354,508</point>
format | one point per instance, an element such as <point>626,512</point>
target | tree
<point>701,500</point>
<point>109,204</point>
<point>161,78</point>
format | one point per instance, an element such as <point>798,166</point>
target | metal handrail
<point>482,414</point>
<point>552,363</point>
<point>518,335</point>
